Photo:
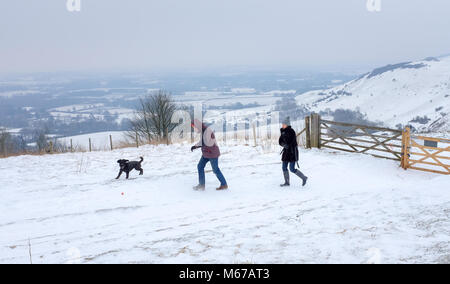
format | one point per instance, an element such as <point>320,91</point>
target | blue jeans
<point>291,166</point>
<point>215,166</point>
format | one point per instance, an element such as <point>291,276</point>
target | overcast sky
<point>41,35</point>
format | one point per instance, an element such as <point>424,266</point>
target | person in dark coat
<point>210,153</point>
<point>288,140</point>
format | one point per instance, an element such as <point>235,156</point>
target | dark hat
<point>286,121</point>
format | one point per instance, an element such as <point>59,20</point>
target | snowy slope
<point>395,94</point>
<point>72,210</point>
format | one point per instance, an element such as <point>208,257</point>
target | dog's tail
<point>142,159</point>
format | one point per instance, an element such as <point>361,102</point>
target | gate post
<point>406,142</point>
<point>308,132</point>
<point>315,130</point>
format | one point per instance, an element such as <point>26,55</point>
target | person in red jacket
<point>210,153</point>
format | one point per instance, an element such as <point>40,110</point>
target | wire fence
<point>265,136</point>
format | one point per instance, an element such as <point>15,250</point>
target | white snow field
<point>355,209</point>
<point>99,140</point>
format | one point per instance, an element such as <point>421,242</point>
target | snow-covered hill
<point>413,93</point>
<point>70,209</point>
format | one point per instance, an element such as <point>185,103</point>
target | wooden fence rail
<point>432,155</point>
<point>355,138</point>
<point>414,152</point>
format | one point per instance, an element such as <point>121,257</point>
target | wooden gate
<point>428,154</point>
<point>376,141</point>
<point>414,152</point>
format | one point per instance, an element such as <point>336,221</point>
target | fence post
<point>254,134</point>
<point>51,147</point>
<point>5,151</point>
<point>110,142</point>
<point>167,137</point>
<point>406,142</point>
<point>308,132</point>
<point>71,145</point>
<point>137,140</point>
<point>315,130</point>
<point>224,136</point>
<point>90,145</point>
<point>247,133</point>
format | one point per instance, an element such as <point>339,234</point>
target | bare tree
<point>11,144</point>
<point>152,122</point>
<point>288,107</point>
<point>5,140</point>
<point>41,139</point>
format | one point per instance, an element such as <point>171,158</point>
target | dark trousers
<point>291,167</point>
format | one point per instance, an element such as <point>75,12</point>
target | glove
<point>194,148</point>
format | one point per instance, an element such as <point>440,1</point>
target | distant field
<point>100,140</point>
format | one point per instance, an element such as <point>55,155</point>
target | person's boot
<point>200,187</point>
<point>302,176</point>
<point>286,179</point>
<point>222,187</point>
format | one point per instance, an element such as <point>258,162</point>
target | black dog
<point>127,166</point>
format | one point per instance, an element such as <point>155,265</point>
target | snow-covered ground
<point>355,209</point>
